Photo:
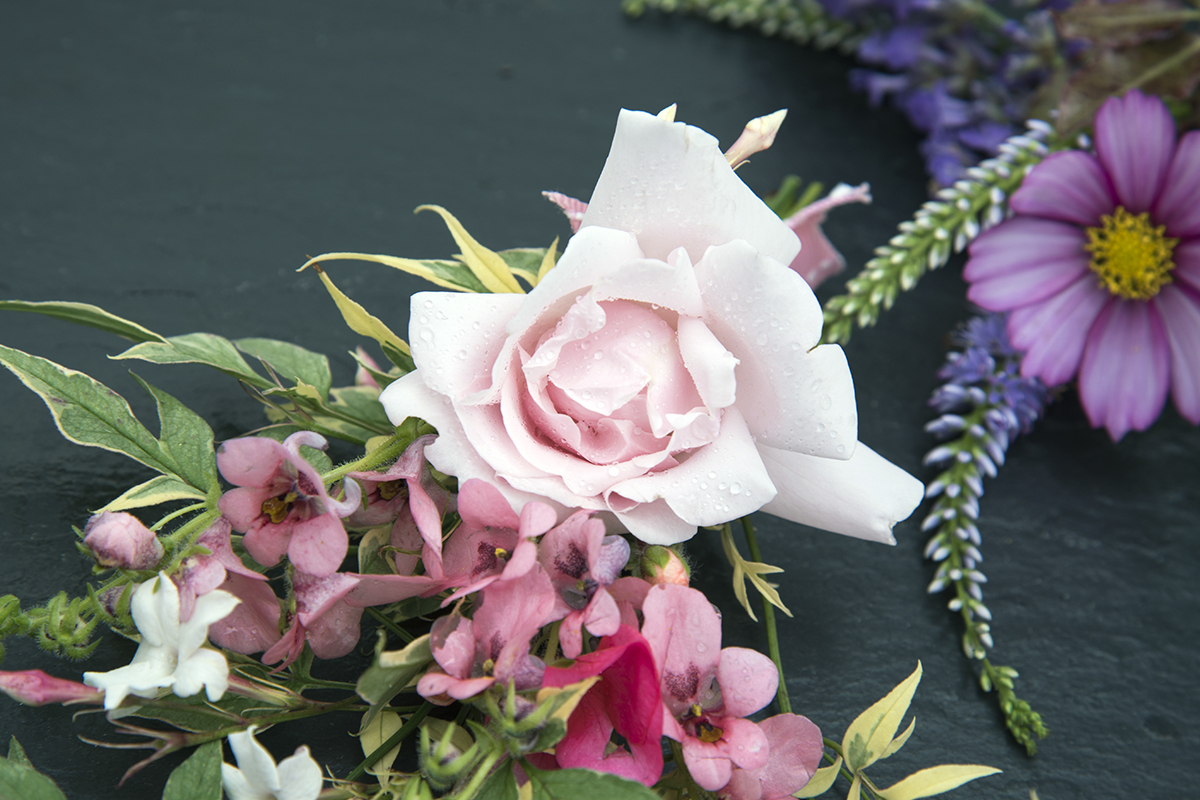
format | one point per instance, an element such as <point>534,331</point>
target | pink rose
<point>666,371</point>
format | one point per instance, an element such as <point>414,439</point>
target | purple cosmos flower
<point>1101,268</point>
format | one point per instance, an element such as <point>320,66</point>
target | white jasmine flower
<point>256,777</point>
<point>171,655</point>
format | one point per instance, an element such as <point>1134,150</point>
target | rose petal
<point>461,335</point>
<point>1126,368</point>
<point>1135,140</point>
<point>862,497</point>
<point>1180,311</point>
<point>1068,186</point>
<point>1024,261</point>
<point>694,199</point>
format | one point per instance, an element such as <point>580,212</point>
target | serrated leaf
<point>186,438</point>
<point>583,784</point>
<point>900,740</point>
<point>22,782</point>
<point>159,489</point>
<point>290,361</point>
<point>935,780</point>
<point>197,348</point>
<point>869,736</point>
<point>489,268</point>
<point>197,778</point>
<point>86,411</point>
<point>86,314</point>
<point>821,780</point>
<point>500,785</point>
<point>16,753</point>
<point>362,321</point>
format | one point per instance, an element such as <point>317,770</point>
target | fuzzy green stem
<point>389,451</point>
<point>176,514</point>
<point>781,695</point>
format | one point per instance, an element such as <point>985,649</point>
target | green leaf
<point>197,778</point>
<point>453,275</point>
<point>229,710</point>
<point>22,782</point>
<point>935,780</point>
<point>391,672</point>
<point>500,785</point>
<point>583,784</point>
<point>489,267</point>
<point>525,262</point>
<point>290,361</point>
<point>374,733</point>
<point>85,314</point>
<point>16,753</point>
<point>198,348</point>
<point>821,780</point>
<point>361,403</point>
<point>752,570</point>
<point>86,411</point>
<point>371,560</point>
<point>187,440</point>
<point>364,323</point>
<point>159,489</point>
<point>870,735</point>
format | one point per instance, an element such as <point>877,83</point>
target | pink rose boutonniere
<point>667,371</point>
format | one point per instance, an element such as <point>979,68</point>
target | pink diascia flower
<point>626,700</point>
<point>121,540</point>
<point>796,752</point>
<point>666,372</point>
<point>323,618</point>
<point>281,504</point>
<point>1100,268</point>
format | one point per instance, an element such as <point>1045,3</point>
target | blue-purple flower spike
<point>985,403</point>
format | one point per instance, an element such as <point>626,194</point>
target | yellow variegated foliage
<point>162,489</point>
<point>935,780</point>
<point>488,267</point>
<point>374,733</point>
<point>752,570</point>
<point>870,735</point>
<point>821,780</point>
<point>360,320</point>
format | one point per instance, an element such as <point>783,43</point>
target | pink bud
<point>120,540</point>
<point>663,565</point>
<point>35,688</point>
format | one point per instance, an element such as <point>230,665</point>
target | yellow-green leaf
<point>935,780</point>
<point>488,266</point>
<point>447,274</point>
<point>752,570</point>
<point>869,736</point>
<point>547,261</point>
<point>360,320</point>
<point>855,792</point>
<point>374,733</point>
<point>86,314</point>
<point>564,699</point>
<point>899,741</point>
<point>821,780</point>
<point>162,489</point>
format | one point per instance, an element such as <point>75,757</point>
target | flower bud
<point>35,688</point>
<point>663,565</point>
<point>120,540</point>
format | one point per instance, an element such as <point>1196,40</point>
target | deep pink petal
<point>1178,206</point>
<point>1023,261</point>
<point>1053,333</point>
<point>1069,186</point>
<point>1126,368</point>
<point>748,681</point>
<point>318,545</point>
<point>1135,140</point>
<point>1180,311</point>
<point>744,742</point>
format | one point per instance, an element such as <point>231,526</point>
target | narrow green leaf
<point>821,780</point>
<point>86,411</point>
<point>869,736</point>
<point>21,782</point>
<point>489,267</point>
<point>935,780</point>
<point>525,262</point>
<point>198,348</point>
<point>290,361</point>
<point>86,314</point>
<point>16,753</point>
<point>363,323</point>
<point>159,489</point>
<point>187,440</point>
<point>500,785</point>
<point>583,784</point>
<point>453,275</point>
<point>197,778</point>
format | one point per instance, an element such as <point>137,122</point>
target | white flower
<point>171,655</point>
<point>256,777</point>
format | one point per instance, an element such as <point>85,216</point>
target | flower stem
<point>400,633</point>
<point>388,451</point>
<point>781,694</point>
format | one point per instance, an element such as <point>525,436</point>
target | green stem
<point>781,695</point>
<point>391,626</point>
<point>180,539</point>
<point>176,514</point>
<point>396,738</point>
<point>1162,67</point>
<point>386,452</point>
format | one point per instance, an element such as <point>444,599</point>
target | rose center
<point>1131,256</point>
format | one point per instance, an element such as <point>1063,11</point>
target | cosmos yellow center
<point>1131,256</point>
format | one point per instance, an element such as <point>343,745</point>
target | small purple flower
<point>1100,268</point>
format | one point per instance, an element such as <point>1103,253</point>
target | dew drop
<point>429,304</point>
<point>841,449</point>
<point>703,485</point>
<point>816,386</point>
<point>826,402</point>
<point>475,325</point>
<point>735,488</point>
<point>423,319</point>
<point>712,474</point>
<point>762,339</point>
<point>614,471</point>
<point>462,355</point>
<point>701,647</point>
<point>820,427</point>
<point>721,486</point>
<point>599,355</point>
<point>426,334</point>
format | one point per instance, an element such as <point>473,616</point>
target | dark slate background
<point>174,163</point>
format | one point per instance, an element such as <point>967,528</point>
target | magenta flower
<point>706,690</point>
<point>627,700</point>
<point>253,626</point>
<point>1100,268</point>
<point>281,504</point>
<point>582,562</point>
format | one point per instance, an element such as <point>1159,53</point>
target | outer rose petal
<point>1135,140</point>
<point>695,199</point>
<point>1180,310</point>
<point>461,335</point>
<point>1069,186</point>
<point>1126,368</point>
<point>863,497</point>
